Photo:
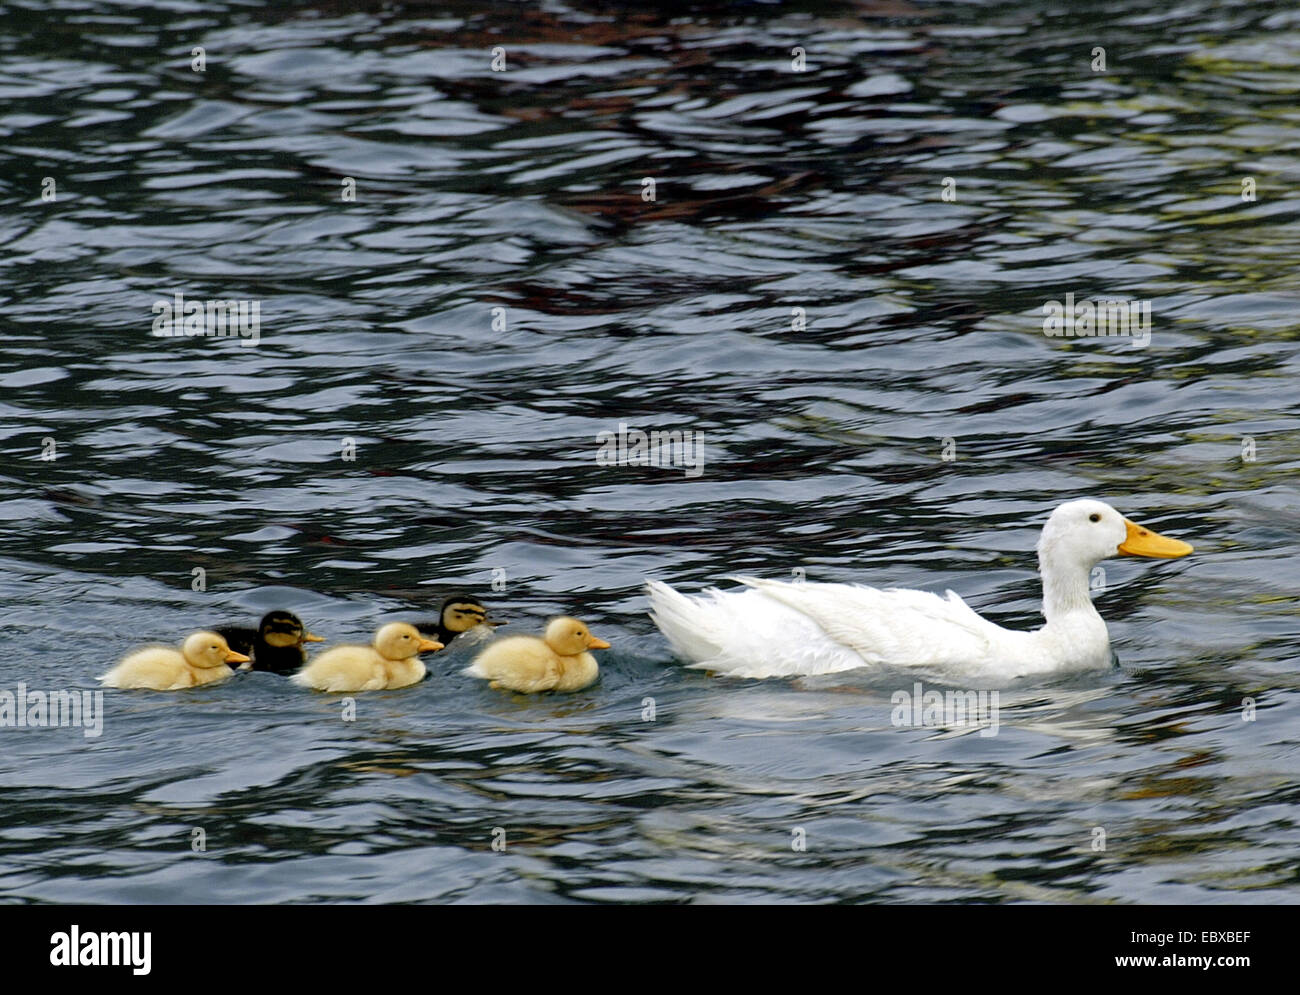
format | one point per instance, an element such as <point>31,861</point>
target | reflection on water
<point>475,437</point>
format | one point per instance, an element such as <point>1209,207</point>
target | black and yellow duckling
<point>459,614</point>
<point>276,645</point>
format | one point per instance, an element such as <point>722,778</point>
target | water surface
<point>476,452</point>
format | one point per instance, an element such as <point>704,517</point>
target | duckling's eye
<point>1094,517</point>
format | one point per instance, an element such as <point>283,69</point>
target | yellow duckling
<point>201,659</point>
<point>392,661</point>
<point>558,661</point>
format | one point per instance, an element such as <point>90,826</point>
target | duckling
<point>392,661</point>
<point>276,645</point>
<point>459,615</point>
<point>557,661</point>
<point>201,659</point>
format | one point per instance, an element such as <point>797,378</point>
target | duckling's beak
<point>428,646</point>
<point>596,644</point>
<point>233,657</point>
<point>492,622</point>
<point>311,637</point>
<point>1143,542</point>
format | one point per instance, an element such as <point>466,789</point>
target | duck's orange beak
<point>1143,542</point>
<point>233,657</point>
<point>596,644</point>
<point>428,646</point>
<point>311,637</point>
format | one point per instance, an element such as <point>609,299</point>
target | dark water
<point>476,451</point>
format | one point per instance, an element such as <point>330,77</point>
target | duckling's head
<point>206,650</point>
<point>397,641</point>
<point>285,629</point>
<point>1086,532</point>
<point>569,637</point>
<point>460,614</point>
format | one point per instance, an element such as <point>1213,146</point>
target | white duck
<point>781,629</point>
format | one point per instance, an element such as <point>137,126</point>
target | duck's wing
<point>521,663</point>
<point>745,633</point>
<point>158,669</point>
<point>891,626</point>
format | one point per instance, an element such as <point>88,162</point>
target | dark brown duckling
<point>276,645</point>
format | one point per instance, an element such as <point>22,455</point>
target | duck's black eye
<point>1094,517</point>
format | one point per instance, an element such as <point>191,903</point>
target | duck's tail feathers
<point>686,623</point>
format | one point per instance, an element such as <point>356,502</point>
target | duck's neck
<point>1065,590</point>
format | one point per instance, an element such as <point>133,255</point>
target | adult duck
<point>782,629</point>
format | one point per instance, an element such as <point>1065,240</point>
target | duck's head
<point>397,641</point>
<point>1087,532</point>
<point>206,650</point>
<point>569,637</point>
<point>460,614</point>
<point>285,629</point>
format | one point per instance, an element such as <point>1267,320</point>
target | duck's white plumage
<point>778,629</point>
<point>781,629</point>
